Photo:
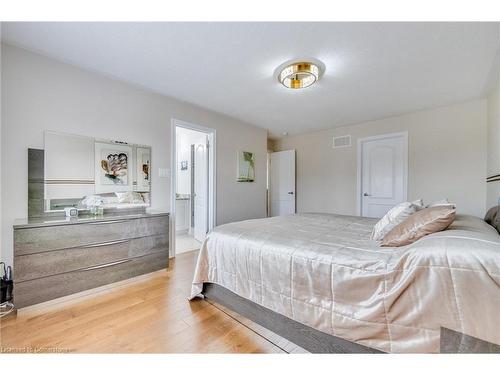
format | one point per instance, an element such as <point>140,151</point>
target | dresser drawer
<point>42,239</point>
<point>35,291</point>
<point>34,266</point>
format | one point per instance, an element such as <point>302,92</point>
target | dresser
<point>56,257</point>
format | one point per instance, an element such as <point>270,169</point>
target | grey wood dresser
<point>56,257</point>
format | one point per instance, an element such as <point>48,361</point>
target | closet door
<point>384,164</point>
<point>282,183</point>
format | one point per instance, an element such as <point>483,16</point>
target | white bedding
<point>323,271</point>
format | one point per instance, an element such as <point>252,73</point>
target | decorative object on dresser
<point>55,257</point>
<point>71,211</point>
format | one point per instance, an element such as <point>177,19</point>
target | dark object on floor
<point>306,337</point>
<point>5,291</point>
<point>6,283</point>
<point>456,342</point>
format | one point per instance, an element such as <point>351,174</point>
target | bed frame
<point>316,341</point>
<point>306,337</point>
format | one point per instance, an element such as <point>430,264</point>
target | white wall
<point>447,158</point>
<point>493,188</point>
<point>186,138</point>
<point>39,93</point>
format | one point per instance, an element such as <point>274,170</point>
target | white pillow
<point>396,215</point>
<point>442,202</point>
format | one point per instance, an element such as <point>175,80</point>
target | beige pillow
<point>427,221</point>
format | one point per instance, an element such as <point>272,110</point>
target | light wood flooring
<point>151,315</point>
<point>185,242</point>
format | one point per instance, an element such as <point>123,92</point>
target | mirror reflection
<point>86,172</point>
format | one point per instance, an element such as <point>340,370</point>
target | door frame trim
<point>212,175</point>
<point>404,135</point>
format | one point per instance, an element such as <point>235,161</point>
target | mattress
<point>323,270</point>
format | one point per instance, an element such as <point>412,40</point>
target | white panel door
<point>200,192</point>
<point>383,174</point>
<point>282,183</point>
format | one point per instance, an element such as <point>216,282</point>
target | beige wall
<point>447,158</point>
<point>39,93</point>
<point>493,188</point>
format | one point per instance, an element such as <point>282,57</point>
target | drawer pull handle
<point>106,265</point>
<point>106,222</point>
<point>105,243</point>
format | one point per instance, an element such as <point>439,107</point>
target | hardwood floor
<point>152,315</point>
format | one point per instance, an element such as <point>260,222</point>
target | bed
<point>322,271</point>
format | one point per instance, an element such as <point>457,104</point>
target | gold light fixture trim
<point>299,75</point>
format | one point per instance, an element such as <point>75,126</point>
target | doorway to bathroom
<point>193,186</point>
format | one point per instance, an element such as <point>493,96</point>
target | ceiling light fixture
<point>299,75</point>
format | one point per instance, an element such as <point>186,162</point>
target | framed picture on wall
<point>143,160</point>
<point>246,166</point>
<point>113,167</point>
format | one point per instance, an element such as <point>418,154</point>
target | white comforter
<point>323,271</point>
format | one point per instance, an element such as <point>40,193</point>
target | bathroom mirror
<point>118,173</point>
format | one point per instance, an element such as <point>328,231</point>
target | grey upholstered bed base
<point>306,337</point>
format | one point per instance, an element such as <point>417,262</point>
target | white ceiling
<point>373,70</point>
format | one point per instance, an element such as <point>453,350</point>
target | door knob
<point>366,194</point>
<point>290,192</point>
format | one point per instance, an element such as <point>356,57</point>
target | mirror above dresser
<point>80,170</point>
